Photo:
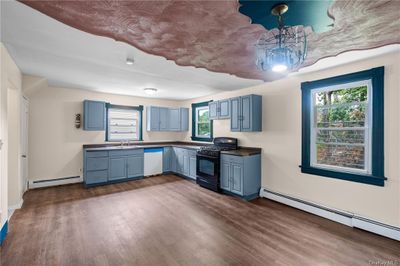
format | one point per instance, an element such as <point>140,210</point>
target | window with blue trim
<point>202,126</point>
<point>343,127</point>
<point>124,123</point>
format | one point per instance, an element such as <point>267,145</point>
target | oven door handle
<point>206,156</point>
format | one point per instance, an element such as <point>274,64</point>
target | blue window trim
<point>194,106</point>
<point>138,108</point>
<point>376,75</point>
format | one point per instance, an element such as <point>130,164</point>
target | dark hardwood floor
<point>166,220</point>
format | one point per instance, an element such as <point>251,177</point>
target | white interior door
<point>24,144</point>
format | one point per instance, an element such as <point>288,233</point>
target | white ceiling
<point>68,57</point>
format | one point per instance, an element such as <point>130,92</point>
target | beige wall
<point>14,147</point>
<point>10,79</point>
<point>281,144</point>
<point>55,145</point>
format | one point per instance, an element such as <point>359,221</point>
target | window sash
<point>123,124</point>
<point>198,109</point>
<point>367,126</point>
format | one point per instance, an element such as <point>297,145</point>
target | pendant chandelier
<point>283,48</point>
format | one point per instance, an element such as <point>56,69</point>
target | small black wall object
<point>78,120</point>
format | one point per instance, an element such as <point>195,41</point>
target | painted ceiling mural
<point>215,35</point>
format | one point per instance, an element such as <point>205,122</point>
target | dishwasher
<point>153,161</point>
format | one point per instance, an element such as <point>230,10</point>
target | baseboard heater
<point>346,218</point>
<point>54,182</point>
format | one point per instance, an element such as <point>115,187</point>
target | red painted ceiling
<point>215,36</point>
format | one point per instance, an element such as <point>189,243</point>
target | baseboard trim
<point>55,182</point>
<point>346,218</point>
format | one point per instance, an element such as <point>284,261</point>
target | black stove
<point>208,162</point>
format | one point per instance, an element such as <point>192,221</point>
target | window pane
<point>347,95</point>
<point>203,115</point>
<point>341,155</point>
<point>203,129</point>
<point>341,136</point>
<point>344,115</point>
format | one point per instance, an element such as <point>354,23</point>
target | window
<point>124,123</point>
<point>202,126</point>
<point>343,127</point>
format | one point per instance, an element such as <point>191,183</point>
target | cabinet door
<point>192,166</point>
<point>236,178</point>
<point>173,160</point>
<point>235,114</point>
<point>184,119</point>
<point>94,115</point>
<point>153,113</point>
<point>246,113</point>
<point>167,154</point>
<point>163,119</point>
<point>224,109</point>
<point>179,161</point>
<point>135,165</point>
<point>185,163</point>
<point>117,168</point>
<point>225,175</point>
<point>213,110</point>
<point>174,119</point>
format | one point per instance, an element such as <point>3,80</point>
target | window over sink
<point>124,123</point>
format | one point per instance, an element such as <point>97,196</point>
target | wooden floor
<point>166,220</point>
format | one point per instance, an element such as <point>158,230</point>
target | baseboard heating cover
<point>55,182</point>
<point>346,218</point>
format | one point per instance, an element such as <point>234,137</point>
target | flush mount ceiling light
<point>283,48</point>
<point>129,61</point>
<point>150,91</point>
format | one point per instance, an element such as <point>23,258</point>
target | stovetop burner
<point>220,144</point>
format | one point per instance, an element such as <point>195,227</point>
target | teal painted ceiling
<point>301,12</point>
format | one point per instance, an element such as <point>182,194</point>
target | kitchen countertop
<point>241,151</point>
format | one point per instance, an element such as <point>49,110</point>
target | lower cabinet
<point>241,175</point>
<point>101,167</point>
<point>184,162</point>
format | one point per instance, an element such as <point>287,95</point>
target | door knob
<point>23,156</point>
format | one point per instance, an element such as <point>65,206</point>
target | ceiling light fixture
<point>150,91</point>
<point>129,61</point>
<point>281,48</point>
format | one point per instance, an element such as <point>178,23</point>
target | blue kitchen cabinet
<point>153,118</point>
<point>184,119</point>
<point>117,168</point>
<point>241,175</point>
<point>94,115</point>
<point>174,119</point>
<point>179,160</point>
<point>224,109</point>
<point>213,110</point>
<point>185,163</point>
<point>219,109</point>
<point>192,164</point>
<point>95,167</point>
<point>164,119</point>
<point>167,159</point>
<point>135,166</point>
<point>246,113</point>
<point>225,174</point>
<point>235,114</point>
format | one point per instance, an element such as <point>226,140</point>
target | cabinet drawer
<point>96,164</point>
<point>96,154</point>
<point>93,177</point>
<point>232,158</point>
<point>127,152</point>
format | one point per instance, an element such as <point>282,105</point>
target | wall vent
<point>54,182</point>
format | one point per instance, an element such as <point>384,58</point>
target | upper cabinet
<point>167,119</point>
<point>246,113</point>
<point>94,115</point>
<point>219,109</point>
